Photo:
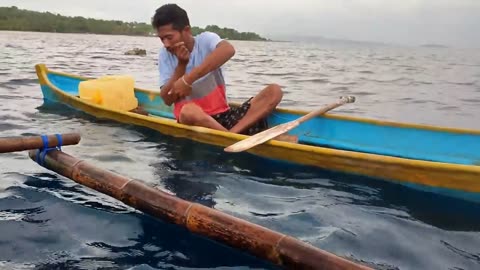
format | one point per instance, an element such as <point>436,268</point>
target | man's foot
<point>287,138</point>
<point>139,110</point>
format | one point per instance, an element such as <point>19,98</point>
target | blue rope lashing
<point>45,146</point>
<point>42,152</point>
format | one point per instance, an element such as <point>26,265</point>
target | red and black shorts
<point>231,117</point>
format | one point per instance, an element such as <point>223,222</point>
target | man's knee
<point>274,92</point>
<point>269,97</point>
<point>189,114</point>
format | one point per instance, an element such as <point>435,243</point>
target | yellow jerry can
<point>114,92</point>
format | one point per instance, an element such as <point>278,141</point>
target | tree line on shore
<point>15,19</point>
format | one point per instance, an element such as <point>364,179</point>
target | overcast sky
<point>449,22</point>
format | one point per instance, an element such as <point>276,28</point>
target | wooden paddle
<point>275,131</point>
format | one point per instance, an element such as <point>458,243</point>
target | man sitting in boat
<point>192,78</point>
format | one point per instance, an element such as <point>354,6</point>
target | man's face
<point>170,36</point>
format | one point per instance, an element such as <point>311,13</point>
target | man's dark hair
<point>170,14</point>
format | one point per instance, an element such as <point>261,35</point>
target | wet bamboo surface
<point>280,249</point>
<point>21,143</point>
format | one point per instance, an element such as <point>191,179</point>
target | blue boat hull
<point>425,156</point>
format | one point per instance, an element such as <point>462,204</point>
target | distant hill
<point>15,19</point>
<point>325,40</point>
<point>433,46</point>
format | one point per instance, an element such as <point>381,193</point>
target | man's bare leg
<point>192,114</point>
<point>261,106</point>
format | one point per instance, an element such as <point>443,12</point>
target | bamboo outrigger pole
<point>13,144</point>
<point>264,243</point>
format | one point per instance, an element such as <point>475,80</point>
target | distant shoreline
<point>129,35</point>
<point>434,46</point>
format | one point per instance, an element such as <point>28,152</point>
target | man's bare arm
<point>222,53</point>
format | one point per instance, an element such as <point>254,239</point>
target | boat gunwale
<point>42,71</point>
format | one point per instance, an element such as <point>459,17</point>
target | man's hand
<point>182,53</point>
<point>181,88</point>
<point>168,92</point>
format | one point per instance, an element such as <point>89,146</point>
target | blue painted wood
<point>395,141</point>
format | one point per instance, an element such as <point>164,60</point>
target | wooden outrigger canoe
<point>439,159</point>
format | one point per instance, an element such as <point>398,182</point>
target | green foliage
<point>229,33</point>
<point>14,19</point>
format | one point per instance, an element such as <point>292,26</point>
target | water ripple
<point>467,255</point>
<point>51,222</point>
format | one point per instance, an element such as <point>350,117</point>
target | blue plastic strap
<point>42,152</point>
<point>60,142</point>
<point>45,141</point>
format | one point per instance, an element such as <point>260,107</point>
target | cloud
<point>406,22</point>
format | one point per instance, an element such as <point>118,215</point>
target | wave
<point>363,93</point>
<point>471,100</point>
<point>401,81</point>
<point>340,88</point>
<point>311,80</point>
<point>273,73</point>
<point>10,97</point>
<point>9,126</point>
<point>104,57</point>
<point>8,45</point>
<point>22,82</point>
<point>263,61</point>
<point>236,60</point>
<point>344,83</point>
<point>449,108</point>
<point>462,83</point>
<point>6,86</point>
<point>467,255</point>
